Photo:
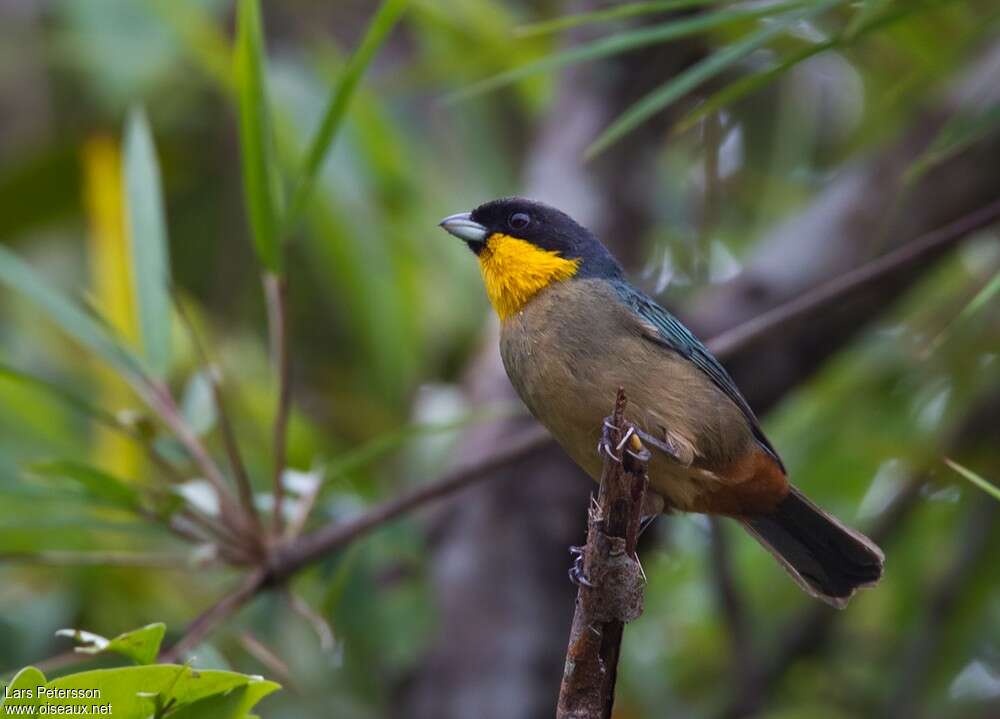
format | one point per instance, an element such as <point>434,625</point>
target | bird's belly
<point>567,367</point>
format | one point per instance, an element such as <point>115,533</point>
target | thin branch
<point>263,654</point>
<point>303,511</point>
<point>162,402</point>
<point>868,275</point>
<point>219,612</point>
<point>308,549</point>
<point>230,545</point>
<point>236,462</point>
<point>315,620</point>
<point>311,547</point>
<point>277,315</point>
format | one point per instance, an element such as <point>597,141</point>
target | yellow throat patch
<point>514,271</point>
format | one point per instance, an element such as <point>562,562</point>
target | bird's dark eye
<point>518,221</point>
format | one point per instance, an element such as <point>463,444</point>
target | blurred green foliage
<point>385,314</point>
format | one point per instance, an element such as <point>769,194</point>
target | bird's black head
<point>543,226</point>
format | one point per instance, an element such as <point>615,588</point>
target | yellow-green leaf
<point>141,645</point>
<point>984,484</point>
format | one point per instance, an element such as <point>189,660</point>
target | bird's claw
<point>576,574</point>
<point>604,445</point>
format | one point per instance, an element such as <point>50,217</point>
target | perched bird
<point>573,330</point>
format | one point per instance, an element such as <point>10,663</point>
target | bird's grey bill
<point>464,227</point>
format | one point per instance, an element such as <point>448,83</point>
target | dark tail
<point>828,560</point>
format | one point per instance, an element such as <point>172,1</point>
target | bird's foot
<point>664,445</point>
<point>613,450</point>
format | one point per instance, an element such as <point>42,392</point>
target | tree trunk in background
<point>499,549</point>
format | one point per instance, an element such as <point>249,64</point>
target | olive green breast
<point>567,352</point>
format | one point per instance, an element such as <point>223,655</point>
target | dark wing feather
<point>670,333</point>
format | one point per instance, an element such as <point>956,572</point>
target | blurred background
<point>747,153</point>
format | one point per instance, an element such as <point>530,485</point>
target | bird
<point>573,330</point>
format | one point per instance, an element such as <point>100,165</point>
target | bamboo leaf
<point>256,139</point>
<point>608,14</point>
<point>17,275</point>
<point>957,135</point>
<point>984,484</point>
<point>987,293</point>
<point>747,85</point>
<point>95,483</point>
<point>147,232</point>
<point>753,83</point>
<point>69,398</point>
<point>386,17</point>
<point>624,42</point>
<point>679,86</point>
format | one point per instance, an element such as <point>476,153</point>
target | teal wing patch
<point>670,333</point>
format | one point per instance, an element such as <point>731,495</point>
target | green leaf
<point>624,42</point>
<point>615,12</point>
<point>234,704</point>
<point>198,403</point>
<point>22,691</point>
<point>66,396</point>
<point>989,290</point>
<point>388,14</point>
<point>95,483</point>
<point>747,85</point>
<point>958,134</point>
<point>869,10</point>
<point>148,235</point>
<point>989,487</point>
<point>256,140</point>
<point>753,83</point>
<point>141,645</point>
<point>679,86</point>
<point>135,692</point>
<point>17,275</point>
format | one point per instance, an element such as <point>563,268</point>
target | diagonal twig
<point>236,463</point>
<point>224,608</point>
<point>878,270</point>
<point>275,289</point>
